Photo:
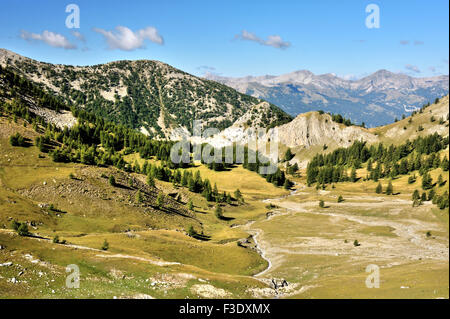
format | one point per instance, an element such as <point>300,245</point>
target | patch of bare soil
<point>209,291</point>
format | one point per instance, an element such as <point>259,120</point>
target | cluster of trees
<point>26,87</point>
<point>389,189</point>
<point>440,201</point>
<point>338,118</point>
<point>17,140</point>
<point>419,154</point>
<point>95,141</point>
<point>20,228</point>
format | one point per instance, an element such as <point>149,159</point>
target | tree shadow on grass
<point>202,237</point>
<point>226,218</point>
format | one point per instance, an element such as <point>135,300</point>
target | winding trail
<point>410,242</point>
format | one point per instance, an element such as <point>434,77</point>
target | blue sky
<point>236,38</point>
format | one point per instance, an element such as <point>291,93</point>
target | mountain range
<point>153,97</point>
<point>376,99</point>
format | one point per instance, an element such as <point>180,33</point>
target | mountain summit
<point>376,99</point>
<point>151,96</point>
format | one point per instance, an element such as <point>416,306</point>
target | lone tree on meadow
<point>218,212</point>
<point>340,199</point>
<point>379,189</point>
<point>390,189</point>
<point>321,204</point>
<point>191,231</point>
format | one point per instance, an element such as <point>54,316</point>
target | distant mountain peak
<point>375,99</point>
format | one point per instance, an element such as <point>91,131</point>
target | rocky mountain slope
<point>313,132</point>
<point>376,99</point>
<point>147,95</point>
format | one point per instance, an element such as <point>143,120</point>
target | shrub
<point>23,230</point>
<point>105,245</point>
<point>340,199</point>
<point>20,228</point>
<point>56,239</point>
<point>112,180</point>
<point>15,225</point>
<point>321,204</point>
<point>356,243</point>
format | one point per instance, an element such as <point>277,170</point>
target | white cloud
<point>412,68</point>
<point>416,42</point>
<point>53,39</point>
<point>79,36</point>
<point>125,39</point>
<point>206,67</point>
<point>272,40</point>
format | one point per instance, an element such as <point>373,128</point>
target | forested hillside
<point>146,95</point>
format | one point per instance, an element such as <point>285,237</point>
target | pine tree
<point>160,200</point>
<point>431,194</point>
<point>389,189</point>
<point>440,180</point>
<point>379,189</point>
<point>112,180</point>
<point>191,231</point>
<point>444,164</point>
<point>288,155</point>
<point>353,175</point>
<point>138,197</point>
<point>218,212</point>
<point>427,181</point>
<point>150,180</point>
<point>287,184</point>
<point>190,205</point>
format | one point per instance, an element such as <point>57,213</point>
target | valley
<point>79,188</point>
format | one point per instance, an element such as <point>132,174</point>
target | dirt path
<point>408,243</point>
